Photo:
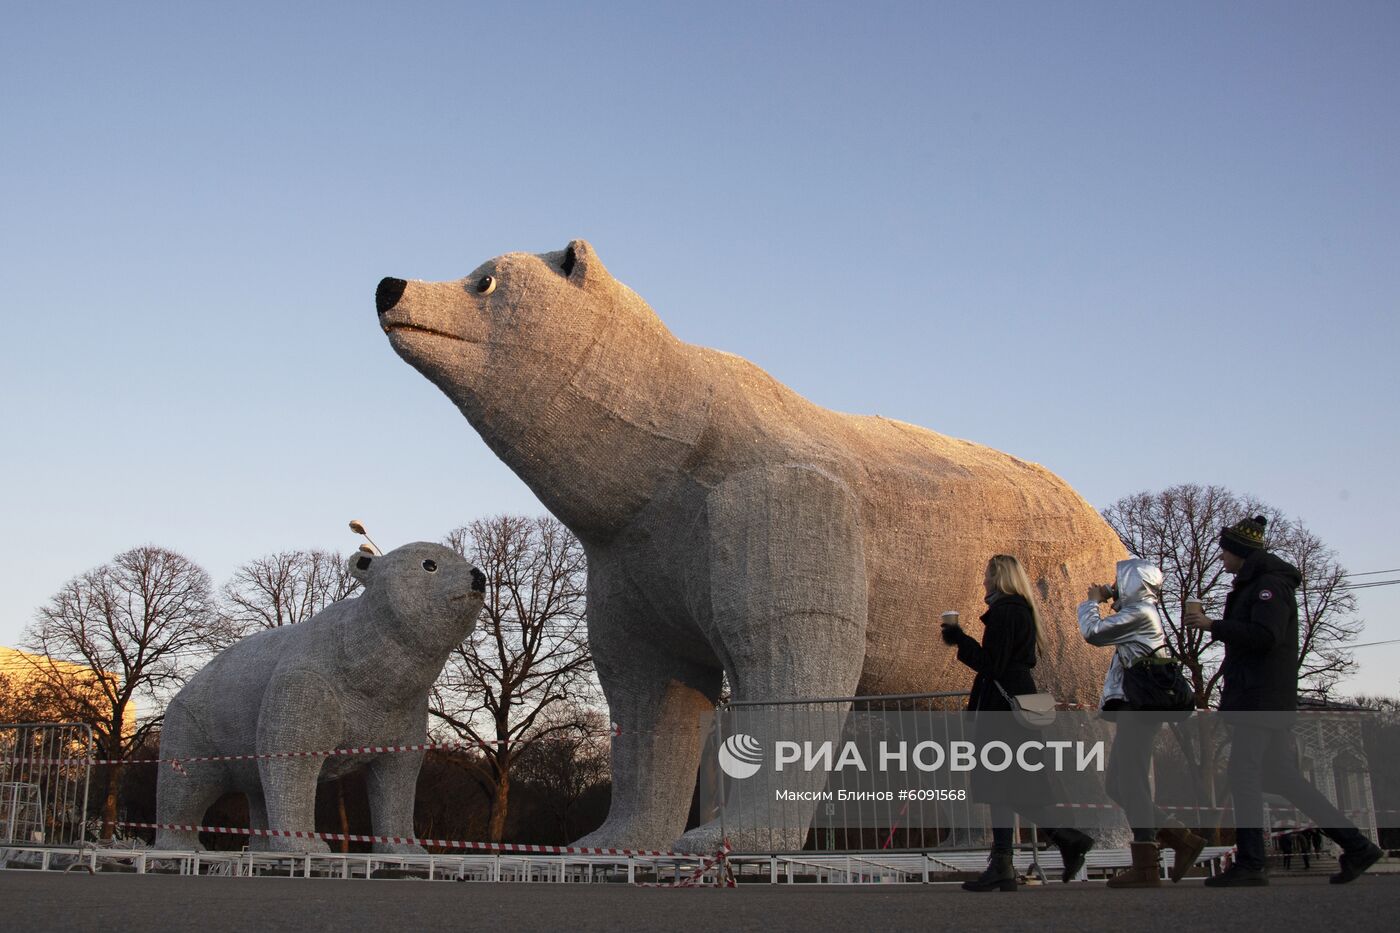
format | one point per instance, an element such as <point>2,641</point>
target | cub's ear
<point>580,264</point>
<point>360,563</point>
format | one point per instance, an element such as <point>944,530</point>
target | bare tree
<point>1179,529</point>
<point>527,664</point>
<point>566,765</point>
<point>137,624</point>
<point>286,588</point>
<point>1326,610</point>
<point>1390,706</point>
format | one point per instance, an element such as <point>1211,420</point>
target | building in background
<point>35,688</point>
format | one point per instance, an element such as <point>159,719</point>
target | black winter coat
<point>1006,654</point>
<point>1260,633</point>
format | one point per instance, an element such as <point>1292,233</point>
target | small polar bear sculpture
<point>356,674</point>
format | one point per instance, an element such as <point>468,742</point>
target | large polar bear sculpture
<point>732,526</point>
<point>356,674</point>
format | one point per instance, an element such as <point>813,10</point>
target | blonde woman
<point>1012,639</point>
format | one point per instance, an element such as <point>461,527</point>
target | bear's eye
<point>430,566</point>
<point>487,285</point>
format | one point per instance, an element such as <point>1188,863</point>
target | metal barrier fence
<point>44,776</point>
<point>754,821</point>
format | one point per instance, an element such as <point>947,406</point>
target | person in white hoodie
<point>1135,632</point>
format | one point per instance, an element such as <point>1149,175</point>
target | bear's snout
<point>388,294</point>
<point>478,581</point>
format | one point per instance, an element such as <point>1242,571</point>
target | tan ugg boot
<point>1144,873</point>
<point>1186,846</point>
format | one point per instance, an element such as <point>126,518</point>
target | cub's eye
<point>487,285</point>
<point>430,566</point>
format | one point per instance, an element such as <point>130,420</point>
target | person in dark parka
<point>1260,673</point>
<point>1011,639</point>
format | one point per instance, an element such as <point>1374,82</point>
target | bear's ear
<point>580,264</point>
<point>360,563</point>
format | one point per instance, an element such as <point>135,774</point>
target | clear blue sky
<point>1140,243</point>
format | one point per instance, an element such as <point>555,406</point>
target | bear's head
<point>562,370</point>
<point>516,329</point>
<point>428,593</point>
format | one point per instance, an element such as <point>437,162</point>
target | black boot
<point>1355,862</point>
<point>1238,876</point>
<point>1073,846</point>
<point>999,876</point>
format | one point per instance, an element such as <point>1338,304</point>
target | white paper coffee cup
<point>950,618</point>
<point>1192,605</point>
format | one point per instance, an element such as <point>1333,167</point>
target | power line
<point>1371,573</point>
<point>1370,644</point>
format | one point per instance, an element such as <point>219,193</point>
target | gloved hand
<point>951,634</point>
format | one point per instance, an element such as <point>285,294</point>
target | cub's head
<point>422,587</point>
<point>516,327</point>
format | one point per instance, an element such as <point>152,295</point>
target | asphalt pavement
<point>34,901</point>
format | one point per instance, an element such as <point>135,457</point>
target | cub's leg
<point>392,782</point>
<point>300,713</point>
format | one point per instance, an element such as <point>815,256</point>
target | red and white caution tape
<point>1114,806</point>
<point>894,826</point>
<point>177,763</point>
<point>719,862</point>
<point>1354,811</point>
<point>410,840</point>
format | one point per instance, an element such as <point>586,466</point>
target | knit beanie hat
<point>1244,537</point>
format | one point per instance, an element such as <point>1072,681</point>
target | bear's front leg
<point>789,602</point>
<point>301,712</point>
<point>391,782</point>
<point>661,699</point>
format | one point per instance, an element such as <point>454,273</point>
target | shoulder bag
<point>1031,710</point>
<point>1156,683</point>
